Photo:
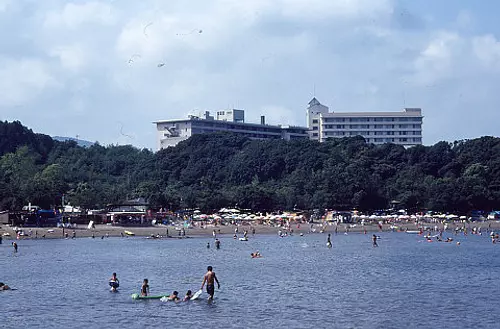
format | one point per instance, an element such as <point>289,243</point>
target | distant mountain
<point>80,142</point>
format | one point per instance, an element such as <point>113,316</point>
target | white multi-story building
<point>171,132</point>
<point>403,128</point>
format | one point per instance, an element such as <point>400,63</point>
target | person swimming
<point>145,288</point>
<point>174,297</point>
<point>217,243</point>
<point>3,286</point>
<point>114,283</point>
<point>188,296</point>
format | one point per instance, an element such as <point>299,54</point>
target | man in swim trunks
<point>209,279</point>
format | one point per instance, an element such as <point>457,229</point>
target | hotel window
<point>315,128</point>
<point>315,121</point>
<point>340,126</point>
<point>315,134</point>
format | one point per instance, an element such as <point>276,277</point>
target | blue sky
<point>91,68</point>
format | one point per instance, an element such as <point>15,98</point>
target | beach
<point>171,231</point>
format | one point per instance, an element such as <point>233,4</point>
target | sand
<point>173,231</point>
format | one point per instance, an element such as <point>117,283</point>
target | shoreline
<point>172,232</point>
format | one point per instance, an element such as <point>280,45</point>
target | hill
<point>211,171</point>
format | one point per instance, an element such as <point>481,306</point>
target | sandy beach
<point>207,231</point>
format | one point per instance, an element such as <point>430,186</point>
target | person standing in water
<point>114,282</point>
<point>209,278</point>
<point>15,246</point>
<point>208,245</point>
<point>145,288</point>
<point>374,240</point>
<point>217,244</point>
<point>329,241</point>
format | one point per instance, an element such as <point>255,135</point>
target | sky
<point>105,70</point>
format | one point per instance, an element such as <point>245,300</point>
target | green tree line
<point>210,171</point>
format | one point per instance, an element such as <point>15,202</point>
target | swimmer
<point>208,245</point>
<point>174,297</point>
<point>114,282</point>
<point>374,240</point>
<point>145,288</point>
<point>209,279</point>
<point>217,244</point>
<point>3,286</point>
<point>188,296</point>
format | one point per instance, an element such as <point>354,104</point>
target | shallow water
<point>299,283</point>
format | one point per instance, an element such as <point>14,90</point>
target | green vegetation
<point>225,170</point>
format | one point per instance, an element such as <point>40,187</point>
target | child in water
<point>174,297</point>
<point>114,282</point>
<point>188,296</point>
<point>145,288</point>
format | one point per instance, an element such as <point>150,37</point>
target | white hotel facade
<point>402,128</point>
<point>171,132</point>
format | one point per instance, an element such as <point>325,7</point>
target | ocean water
<point>299,283</point>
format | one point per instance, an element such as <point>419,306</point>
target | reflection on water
<point>299,283</point>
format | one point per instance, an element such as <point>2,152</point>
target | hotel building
<point>402,128</point>
<point>171,132</point>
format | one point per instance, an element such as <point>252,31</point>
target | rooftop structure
<point>403,128</point>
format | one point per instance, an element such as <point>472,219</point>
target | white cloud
<point>487,50</point>
<point>436,60</point>
<point>4,5</point>
<point>71,57</point>
<point>22,81</point>
<point>74,15</point>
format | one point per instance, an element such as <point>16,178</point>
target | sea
<point>405,282</point>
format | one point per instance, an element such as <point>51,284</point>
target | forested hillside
<point>219,170</point>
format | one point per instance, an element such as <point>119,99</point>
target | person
<point>217,243</point>
<point>174,297</point>
<point>145,288</point>
<point>114,283</point>
<point>208,245</point>
<point>329,241</point>
<point>15,246</point>
<point>0,239</point>
<point>209,279</point>
<point>188,296</point>
<point>74,235</point>
<point>374,239</point>
<point>3,286</point>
